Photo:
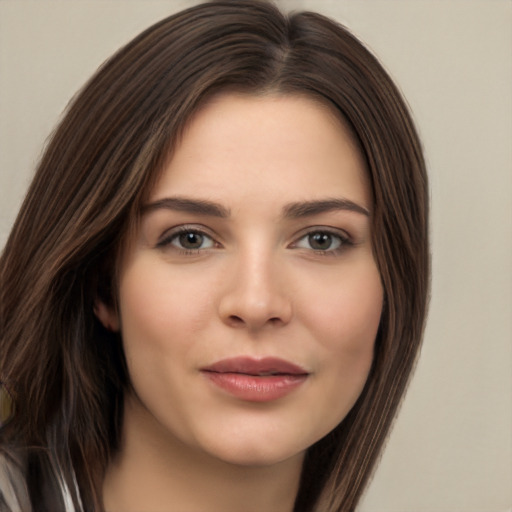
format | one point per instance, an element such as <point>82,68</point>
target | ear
<point>106,315</point>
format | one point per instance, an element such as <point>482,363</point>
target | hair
<point>66,372</point>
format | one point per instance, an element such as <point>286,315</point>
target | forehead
<point>250,146</point>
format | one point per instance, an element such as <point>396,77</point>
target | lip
<point>256,380</point>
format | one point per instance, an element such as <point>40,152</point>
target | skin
<point>257,285</point>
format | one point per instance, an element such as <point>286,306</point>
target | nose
<point>255,294</point>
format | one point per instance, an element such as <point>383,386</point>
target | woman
<point>214,293</point>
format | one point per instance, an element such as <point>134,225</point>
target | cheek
<point>343,317</point>
<point>148,315</point>
<point>345,320</point>
<point>155,302</point>
<point>347,316</point>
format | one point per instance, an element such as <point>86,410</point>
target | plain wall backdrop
<point>451,447</point>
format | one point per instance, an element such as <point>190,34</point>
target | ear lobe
<point>106,315</point>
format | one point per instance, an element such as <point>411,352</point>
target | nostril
<point>235,321</point>
<point>252,309</point>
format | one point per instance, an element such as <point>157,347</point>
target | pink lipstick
<point>256,380</point>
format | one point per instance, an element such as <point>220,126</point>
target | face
<point>249,299</point>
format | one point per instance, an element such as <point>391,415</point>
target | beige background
<point>451,448</point>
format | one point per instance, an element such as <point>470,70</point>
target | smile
<point>256,380</point>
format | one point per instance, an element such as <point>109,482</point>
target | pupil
<point>321,241</point>
<point>191,240</point>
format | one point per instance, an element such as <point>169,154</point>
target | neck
<point>155,472</point>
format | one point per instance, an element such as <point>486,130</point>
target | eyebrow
<point>294,210</point>
<point>183,204</point>
<point>310,208</point>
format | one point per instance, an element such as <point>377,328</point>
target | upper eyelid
<point>342,233</point>
<point>179,228</point>
<point>170,233</point>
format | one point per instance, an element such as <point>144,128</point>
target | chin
<point>256,450</point>
<point>257,456</point>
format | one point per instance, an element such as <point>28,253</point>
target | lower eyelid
<point>169,238</point>
<point>171,235</point>
<point>206,239</point>
<point>344,240</point>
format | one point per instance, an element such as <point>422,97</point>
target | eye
<point>322,241</point>
<point>192,240</point>
<point>187,239</point>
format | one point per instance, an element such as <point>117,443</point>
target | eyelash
<point>344,241</point>
<point>175,233</point>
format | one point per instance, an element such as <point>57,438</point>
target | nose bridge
<point>256,294</point>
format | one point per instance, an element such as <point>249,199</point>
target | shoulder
<point>48,490</point>
<point>14,495</point>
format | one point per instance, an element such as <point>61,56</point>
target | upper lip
<point>258,367</point>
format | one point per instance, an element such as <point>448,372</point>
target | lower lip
<point>256,389</point>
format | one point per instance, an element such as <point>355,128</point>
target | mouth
<point>256,380</point>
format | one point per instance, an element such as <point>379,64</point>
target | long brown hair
<point>66,372</point>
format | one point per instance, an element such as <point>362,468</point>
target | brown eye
<point>322,241</point>
<point>186,239</point>
<point>191,240</point>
